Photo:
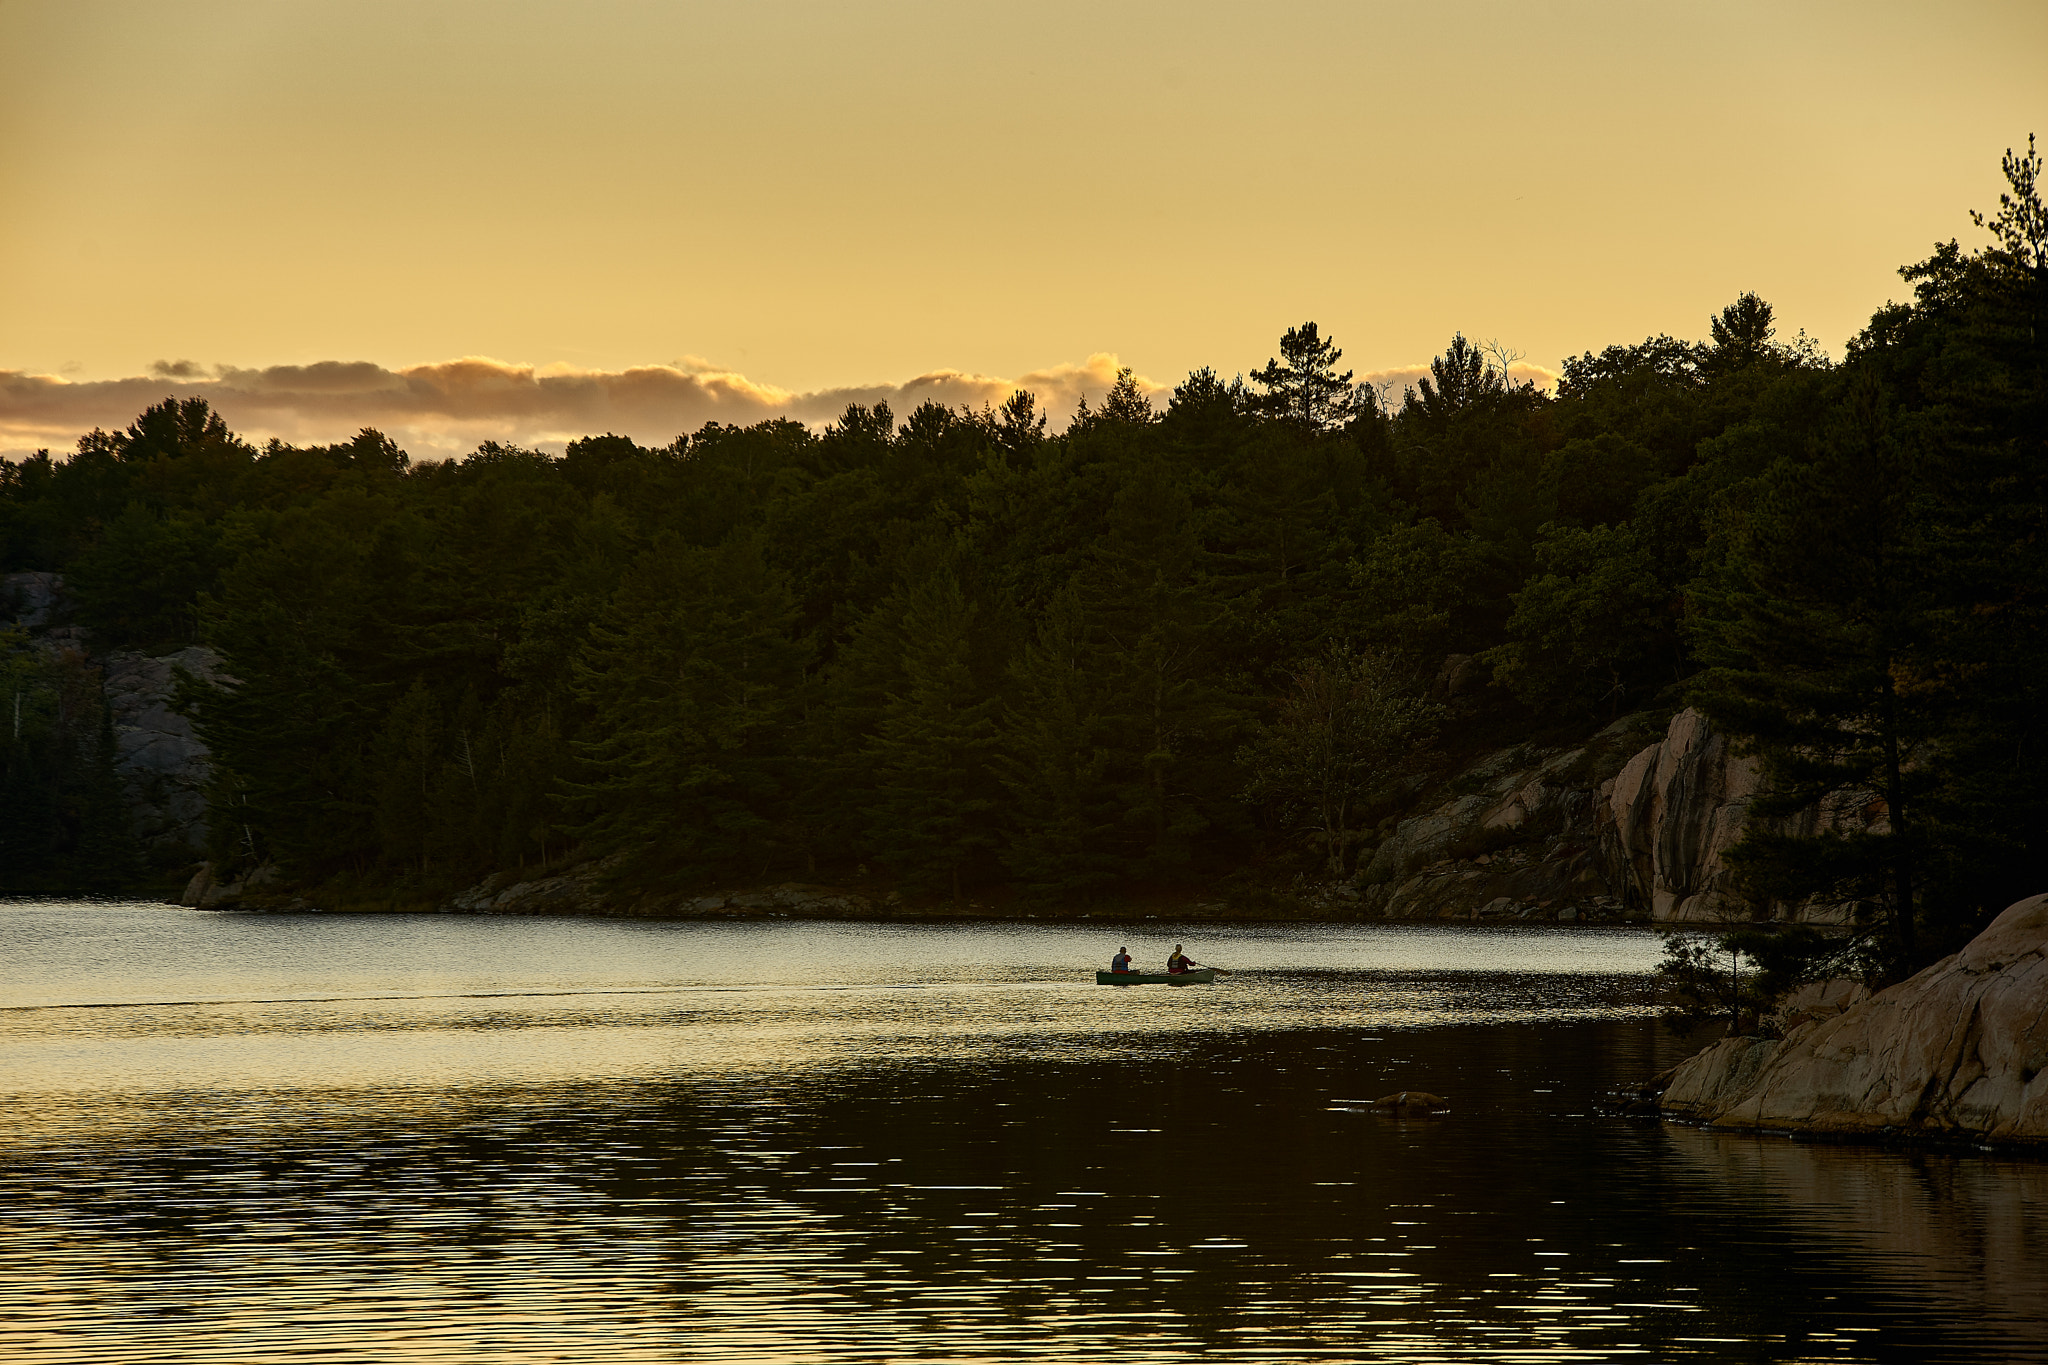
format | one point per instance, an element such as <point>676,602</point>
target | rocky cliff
<point>1669,817</point>
<point>1961,1050</point>
<point>1632,824</point>
<point>32,601</point>
<point>164,766</point>
<point>1517,838</point>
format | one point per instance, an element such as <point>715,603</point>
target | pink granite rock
<point>1961,1049</point>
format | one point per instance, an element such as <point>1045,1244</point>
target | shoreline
<point>1951,1053</point>
<point>887,915</point>
<point>592,888</point>
<point>1888,1139</point>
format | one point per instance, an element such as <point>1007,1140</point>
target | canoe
<point>1200,976</point>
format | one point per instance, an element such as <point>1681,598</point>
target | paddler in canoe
<point>1180,971</point>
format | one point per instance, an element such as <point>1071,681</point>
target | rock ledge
<point>1959,1051</point>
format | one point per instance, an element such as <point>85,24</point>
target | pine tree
<point>1978,340</point>
<point>693,679</point>
<point>1820,629</point>
<point>404,766</point>
<point>931,753</point>
<point>1346,729</point>
<point>1877,624</point>
<point>31,765</point>
<point>107,857</point>
<point>1303,387</point>
<point>1060,821</point>
<point>1164,621</point>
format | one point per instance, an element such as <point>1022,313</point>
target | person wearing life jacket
<point>1122,961</point>
<point>1177,962</point>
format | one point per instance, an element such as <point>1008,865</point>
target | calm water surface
<point>258,1138</point>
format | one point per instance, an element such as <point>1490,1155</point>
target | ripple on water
<point>698,1154</point>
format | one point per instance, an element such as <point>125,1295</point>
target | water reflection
<point>1967,1232</point>
<point>751,1168</point>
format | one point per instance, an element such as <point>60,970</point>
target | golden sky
<point>772,205</point>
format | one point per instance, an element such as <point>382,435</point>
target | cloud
<point>448,407</point>
<point>178,369</point>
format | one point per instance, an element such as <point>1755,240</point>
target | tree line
<point>1155,649</point>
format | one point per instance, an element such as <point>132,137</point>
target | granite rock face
<point>1616,828</point>
<point>1518,839</point>
<point>208,889</point>
<point>1817,1000</point>
<point>576,892</point>
<point>32,601</point>
<point>1959,1050</point>
<point>164,765</point>
<point>1669,817</point>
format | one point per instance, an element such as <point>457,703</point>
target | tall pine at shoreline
<point>1874,620</point>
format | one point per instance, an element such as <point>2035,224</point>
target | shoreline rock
<point>1959,1051</point>
<point>1517,840</point>
<point>1613,829</point>
<point>1668,818</point>
<point>164,765</point>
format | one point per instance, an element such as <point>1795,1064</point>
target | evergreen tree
<point>403,767</point>
<point>1819,629</point>
<point>1458,379</point>
<point>1164,619</point>
<point>1742,337</point>
<point>1302,385</point>
<point>1345,730</point>
<point>31,767</point>
<point>1876,619</point>
<point>693,680</point>
<point>106,857</point>
<point>304,624</point>
<point>1975,345</point>
<point>932,751</point>
<point>1060,827</point>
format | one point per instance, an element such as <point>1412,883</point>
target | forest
<point>1157,649</point>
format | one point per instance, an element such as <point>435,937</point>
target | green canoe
<point>1200,976</point>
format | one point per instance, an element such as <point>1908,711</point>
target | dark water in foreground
<point>280,1138</point>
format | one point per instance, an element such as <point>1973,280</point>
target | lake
<point>419,1138</point>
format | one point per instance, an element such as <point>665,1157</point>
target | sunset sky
<point>527,221</point>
